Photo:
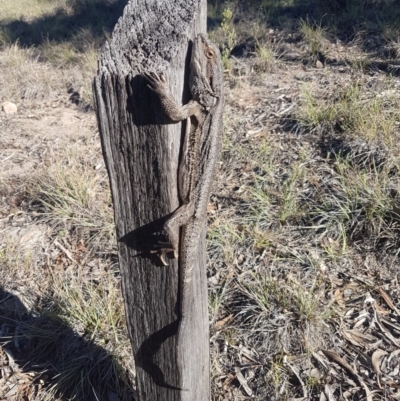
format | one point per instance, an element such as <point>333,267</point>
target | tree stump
<point>141,149</point>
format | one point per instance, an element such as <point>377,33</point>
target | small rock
<point>9,107</point>
<point>319,65</point>
<point>25,238</point>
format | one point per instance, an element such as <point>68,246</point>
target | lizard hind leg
<point>171,227</point>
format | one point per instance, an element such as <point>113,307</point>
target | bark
<point>141,149</point>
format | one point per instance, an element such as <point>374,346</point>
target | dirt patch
<point>303,226</point>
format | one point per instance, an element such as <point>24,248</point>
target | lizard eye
<point>209,53</point>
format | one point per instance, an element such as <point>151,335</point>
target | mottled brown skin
<point>201,153</point>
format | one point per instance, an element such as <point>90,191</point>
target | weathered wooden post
<point>141,150</point>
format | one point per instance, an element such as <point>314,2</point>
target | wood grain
<point>141,149</point>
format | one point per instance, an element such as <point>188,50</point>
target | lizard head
<point>206,72</point>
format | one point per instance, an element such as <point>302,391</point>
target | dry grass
<point>266,56</point>
<point>72,324</point>
<point>13,262</point>
<point>305,226</point>
<point>309,188</point>
<point>28,9</point>
<point>37,60</point>
<point>369,116</point>
<point>23,77</point>
<point>74,197</point>
<point>314,36</point>
<point>94,311</point>
<point>57,258</point>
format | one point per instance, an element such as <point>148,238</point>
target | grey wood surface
<point>141,149</point>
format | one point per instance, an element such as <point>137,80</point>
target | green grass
<point>314,36</point>
<point>370,118</point>
<point>95,308</point>
<point>226,237</point>
<point>267,56</point>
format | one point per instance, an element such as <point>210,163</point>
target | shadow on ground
<point>64,361</point>
<point>373,24</point>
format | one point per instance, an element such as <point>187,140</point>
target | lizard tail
<point>186,285</point>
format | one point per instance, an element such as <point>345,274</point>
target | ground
<point>303,237</point>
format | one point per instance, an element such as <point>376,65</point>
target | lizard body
<point>201,152</point>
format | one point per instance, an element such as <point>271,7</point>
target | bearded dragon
<point>200,156</point>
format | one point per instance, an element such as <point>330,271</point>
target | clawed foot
<point>163,251</point>
<point>158,82</point>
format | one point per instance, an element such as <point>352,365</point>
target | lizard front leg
<point>159,84</point>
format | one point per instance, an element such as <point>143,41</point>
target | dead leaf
<point>392,383</point>
<point>381,310</point>
<point>375,364</point>
<point>320,360</point>
<point>360,322</point>
<point>357,338</point>
<point>367,390</point>
<point>221,323</point>
<point>386,332</point>
<point>66,251</point>
<point>329,393</point>
<point>339,298</point>
<point>390,323</point>
<point>393,354</point>
<point>387,299</point>
<point>248,354</point>
<point>338,359</point>
<point>297,374</point>
<point>243,382</point>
